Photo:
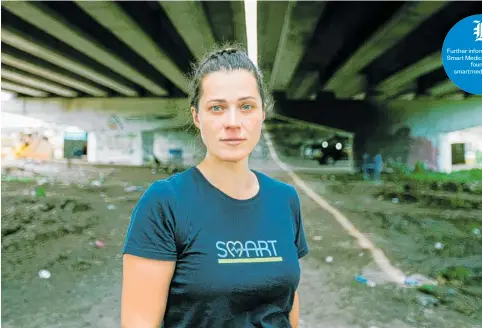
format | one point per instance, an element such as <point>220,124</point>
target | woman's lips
<point>233,141</point>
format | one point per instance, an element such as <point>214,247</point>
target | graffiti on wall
<point>404,148</point>
<point>118,143</point>
<point>422,150</point>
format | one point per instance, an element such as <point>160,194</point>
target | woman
<point>218,244</point>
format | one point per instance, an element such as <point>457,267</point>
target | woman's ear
<point>195,116</point>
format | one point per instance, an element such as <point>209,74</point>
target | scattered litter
<point>427,300</point>
<point>96,183</point>
<point>380,197</point>
<point>40,192</point>
<point>102,195</point>
<point>416,280</point>
<point>111,207</point>
<point>395,200</point>
<point>361,254</point>
<point>338,202</point>
<point>451,292</point>
<point>476,231</point>
<point>365,281</point>
<point>42,181</point>
<point>411,282</point>
<point>317,238</point>
<point>439,245</point>
<point>133,189</point>
<point>153,171</point>
<point>44,274</point>
<point>99,244</point>
<point>329,259</point>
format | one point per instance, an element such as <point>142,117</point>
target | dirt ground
<point>76,231</point>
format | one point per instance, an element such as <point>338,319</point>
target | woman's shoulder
<point>172,185</point>
<point>276,185</point>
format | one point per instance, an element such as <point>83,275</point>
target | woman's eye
<point>247,107</point>
<point>216,108</point>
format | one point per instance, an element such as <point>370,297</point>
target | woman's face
<point>230,114</point>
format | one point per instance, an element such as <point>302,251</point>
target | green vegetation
<point>457,176</point>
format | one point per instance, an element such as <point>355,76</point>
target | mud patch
<point>28,221</point>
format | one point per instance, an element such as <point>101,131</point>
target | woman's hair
<point>228,59</point>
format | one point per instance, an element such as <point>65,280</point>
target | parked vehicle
<point>331,150</point>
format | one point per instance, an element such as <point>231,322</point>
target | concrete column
<point>91,147</point>
<point>444,156</point>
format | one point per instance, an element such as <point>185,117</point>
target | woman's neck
<point>233,178</point>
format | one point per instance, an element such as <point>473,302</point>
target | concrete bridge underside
<point>364,67</point>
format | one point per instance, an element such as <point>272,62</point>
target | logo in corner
<point>478,30</point>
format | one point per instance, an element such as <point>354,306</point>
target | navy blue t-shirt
<point>236,260</point>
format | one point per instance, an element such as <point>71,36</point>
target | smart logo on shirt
<point>249,251</point>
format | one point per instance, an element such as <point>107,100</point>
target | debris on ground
<point>96,183</point>
<point>426,226</point>
<point>134,189</point>
<point>427,300</point>
<point>416,280</point>
<point>361,279</point>
<point>439,245</point>
<point>44,274</point>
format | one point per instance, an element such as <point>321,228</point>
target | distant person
<point>219,244</point>
<point>366,166</point>
<point>378,167</point>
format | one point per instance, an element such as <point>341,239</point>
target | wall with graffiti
<point>115,147</point>
<point>193,150</point>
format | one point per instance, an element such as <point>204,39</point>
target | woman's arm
<point>145,288</point>
<point>295,312</point>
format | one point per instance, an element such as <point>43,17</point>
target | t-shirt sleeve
<point>152,229</point>
<point>300,238</point>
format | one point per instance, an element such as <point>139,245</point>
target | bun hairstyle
<point>227,59</point>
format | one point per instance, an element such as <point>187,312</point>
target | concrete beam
<point>407,19</point>
<point>92,114</point>
<point>428,64</point>
<point>239,22</point>
<point>129,106</point>
<point>20,41</point>
<point>191,23</point>
<point>454,96</point>
<point>355,84</point>
<point>32,81</point>
<point>18,88</point>
<point>299,24</point>
<point>47,20</point>
<point>51,75</point>
<point>443,88</point>
<point>407,96</point>
<point>271,21</point>
<point>428,117</point>
<point>302,88</point>
<point>112,17</point>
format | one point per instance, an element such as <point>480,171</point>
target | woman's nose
<point>233,118</point>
